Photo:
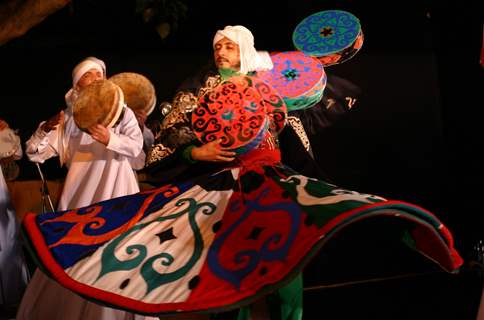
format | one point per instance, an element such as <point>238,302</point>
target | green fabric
<point>187,154</point>
<point>284,304</point>
<point>244,313</point>
<point>226,73</point>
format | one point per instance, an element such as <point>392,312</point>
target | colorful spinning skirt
<point>215,243</point>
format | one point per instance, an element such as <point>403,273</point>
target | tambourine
<point>297,77</point>
<point>239,112</point>
<point>332,36</point>
<point>139,93</point>
<point>101,102</point>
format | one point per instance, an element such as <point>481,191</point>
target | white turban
<point>250,59</point>
<point>79,70</point>
<point>100,62</point>
<point>86,65</point>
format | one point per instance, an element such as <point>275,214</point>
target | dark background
<point>414,135</point>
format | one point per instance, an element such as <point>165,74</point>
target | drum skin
<point>101,102</point>
<point>139,93</point>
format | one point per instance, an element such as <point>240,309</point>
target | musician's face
<point>227,54</point>
<point>89,77</point>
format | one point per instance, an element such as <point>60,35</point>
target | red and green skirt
<point>212,244</point>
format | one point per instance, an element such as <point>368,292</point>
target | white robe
<point>138,163</point>
<point>96,172</point>
<point>13,271</point>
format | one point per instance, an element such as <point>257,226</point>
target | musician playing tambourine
<point>87,146</point>
<point>97,137</point>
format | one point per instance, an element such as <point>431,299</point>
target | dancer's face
<point>227,54</point>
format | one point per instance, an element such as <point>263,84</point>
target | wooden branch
<point>18,16</point>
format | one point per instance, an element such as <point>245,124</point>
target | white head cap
<point>86,65</point>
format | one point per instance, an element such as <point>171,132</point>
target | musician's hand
<point>50,124</point>
<point>3,124</point>
<point>212,152</point>
<point>141,116</point>
<point>99,133</point>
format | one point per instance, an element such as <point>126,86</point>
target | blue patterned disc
<point>326,32</point>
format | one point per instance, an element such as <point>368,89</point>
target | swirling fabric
<point>213,243</point>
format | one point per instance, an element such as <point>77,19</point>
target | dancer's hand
<point>212,151</point>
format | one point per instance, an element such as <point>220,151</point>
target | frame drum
<point>101,102</point>
<point>139,92</point>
